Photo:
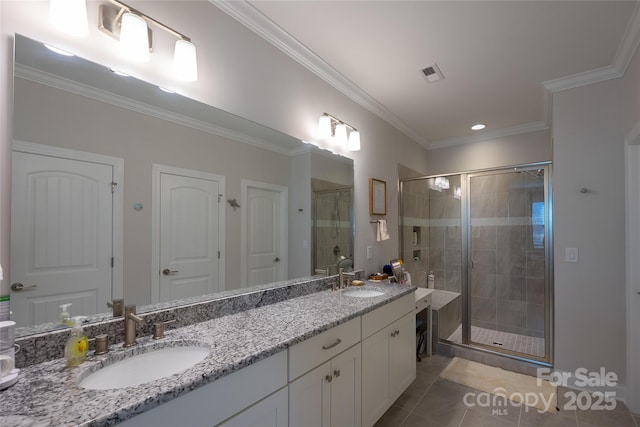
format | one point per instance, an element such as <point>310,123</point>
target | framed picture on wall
<point>377,197</point>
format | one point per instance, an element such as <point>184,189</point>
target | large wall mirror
<point>123,190</point>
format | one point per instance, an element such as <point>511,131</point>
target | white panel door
<point>264,234</point>
<point>189,236</point>
<point>61,236</point>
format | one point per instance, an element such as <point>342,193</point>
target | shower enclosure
<point>486,237</point>
<point>332,225</point>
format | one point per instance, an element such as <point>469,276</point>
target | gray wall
<point>43,114</point>
<point>280,93</point>
<point>588,152</point>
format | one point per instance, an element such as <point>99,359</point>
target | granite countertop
<point>47,394</point>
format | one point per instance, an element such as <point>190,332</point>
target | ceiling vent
<point>432,73</point>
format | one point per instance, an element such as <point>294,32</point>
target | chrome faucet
<point>345,276</point>
<point>130,320</point>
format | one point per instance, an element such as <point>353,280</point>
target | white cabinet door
<point>375,376</point>
<point>346,388</point>
<point>329,395</point>
<point>310,398</point>
<point>273,411</point>
<point>388,367</point>
<point>402,352</point>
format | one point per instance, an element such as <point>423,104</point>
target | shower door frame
<point>547,359</point>
<point>465,217</point>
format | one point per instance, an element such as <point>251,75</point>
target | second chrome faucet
<point>130,320</point>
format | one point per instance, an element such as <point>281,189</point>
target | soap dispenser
<point>65,317</point>
<point>77,346</point>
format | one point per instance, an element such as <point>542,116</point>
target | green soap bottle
<point>77,345</point>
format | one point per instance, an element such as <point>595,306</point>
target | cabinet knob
<point>336,373</point>
<point>329,378</point>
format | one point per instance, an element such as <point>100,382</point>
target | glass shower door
<point>508,235</point>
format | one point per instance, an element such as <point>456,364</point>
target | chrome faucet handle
<point>158,329</point>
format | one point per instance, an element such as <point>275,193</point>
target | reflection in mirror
<point>122,190</point>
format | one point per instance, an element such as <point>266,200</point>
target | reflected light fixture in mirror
<point>69,16</point>
<point>329,126</point>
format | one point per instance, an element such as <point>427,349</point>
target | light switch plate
<point>571,254</point>
<point>369,252</point>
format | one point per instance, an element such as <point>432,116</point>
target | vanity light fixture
<point>130,27</point>
<point>478,126</point>
<point>117,18</point>
<point>69,16</point>
<point>329,126</point>
<point>134,37</point>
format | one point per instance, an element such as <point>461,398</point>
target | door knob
<point>277,259</point>
<point>19,286</point>
<point>168,272</point>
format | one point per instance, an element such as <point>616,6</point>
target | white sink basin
<point>362,293</point>
<point>145,367</point>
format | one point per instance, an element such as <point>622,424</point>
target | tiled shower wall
<point>332,228</point>
<point>507,280</point>
<point>432,233</point>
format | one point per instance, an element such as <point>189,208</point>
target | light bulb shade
<point>354,141</point>
<point>69,16</point>
<point>341,135</point>
<point>134,38</point>
<point>185,63</point>
<point>324,127</point>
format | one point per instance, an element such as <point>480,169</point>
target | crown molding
<point>624,54</point>
<point>38,76</point>
<point>486,136</point>
<point>582,79</point>
<point>630,41</point>
<point>253,19</point>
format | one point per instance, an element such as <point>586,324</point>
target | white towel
<point>383,234</point>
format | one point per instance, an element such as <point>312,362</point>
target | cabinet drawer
<point>387,314</point>
<point>316,350</point>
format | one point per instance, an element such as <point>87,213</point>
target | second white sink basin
<point>362,293</point>
<point>145,367</point>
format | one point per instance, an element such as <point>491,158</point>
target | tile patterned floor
<point>515,342</point>
<point>432,401</point>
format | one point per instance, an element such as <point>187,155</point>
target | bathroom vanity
<point>324,358</point>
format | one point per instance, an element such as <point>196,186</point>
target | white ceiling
<point>499,59</point>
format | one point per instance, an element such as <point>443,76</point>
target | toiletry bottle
<point>431,279</point>
<point>77,346</point>
<point>65,317</point>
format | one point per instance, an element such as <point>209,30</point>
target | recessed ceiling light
<point>478,126</point>
<point>58,50</point>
